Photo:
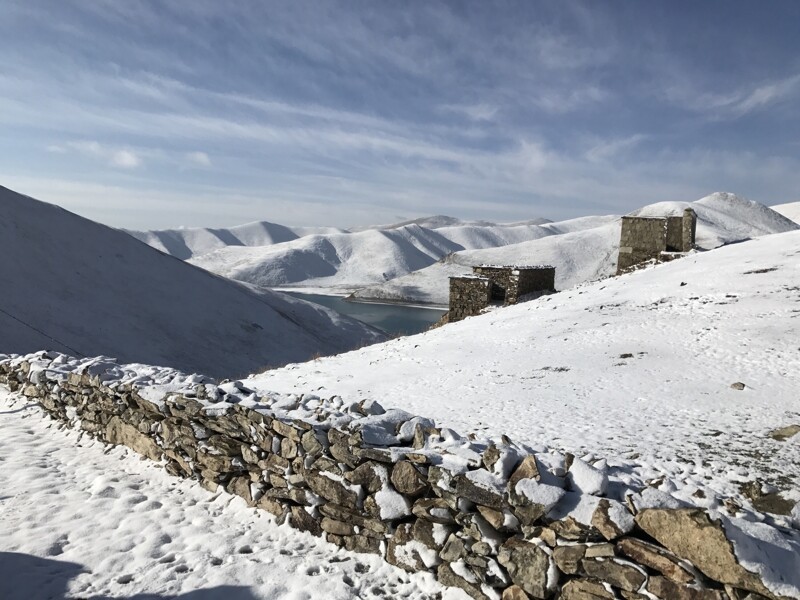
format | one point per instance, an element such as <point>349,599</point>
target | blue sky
<point>159,114</point>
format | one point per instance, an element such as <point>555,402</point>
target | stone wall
<point>490,517</point>
<point>641,239</point>
<point>469,295</point>
<point>646,238</point>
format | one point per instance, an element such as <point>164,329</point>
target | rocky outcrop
<point>491,518</point>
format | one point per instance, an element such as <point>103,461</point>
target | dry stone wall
<point>493,518</point>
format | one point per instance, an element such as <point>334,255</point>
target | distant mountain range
<point>411,261</point>
<point>75,286</point>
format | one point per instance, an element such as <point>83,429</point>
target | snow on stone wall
<point>490,517</point>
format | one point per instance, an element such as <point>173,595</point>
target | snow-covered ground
<point>76,286</point>
<point>790,210</point>
<point>82,520</point>
<point>638,368</point>
<point>587,248</point>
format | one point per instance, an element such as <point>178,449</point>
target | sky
<point>145,114</point>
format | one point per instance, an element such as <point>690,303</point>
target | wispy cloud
<point>548,109</point>
<point>200,159</point>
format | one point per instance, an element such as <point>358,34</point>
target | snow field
<point>83,520</point>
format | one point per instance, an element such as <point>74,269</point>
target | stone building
<point>492,284</point>
<point>648,238</point>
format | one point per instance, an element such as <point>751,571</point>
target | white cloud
<point>200,159</point>
<point>125,159</point>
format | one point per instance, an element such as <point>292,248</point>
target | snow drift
<point>73,285</point>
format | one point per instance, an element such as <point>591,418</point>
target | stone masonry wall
<point>641,239</point>
<point>469,295</point>
<point>492,518</point>
<point>516,282</point>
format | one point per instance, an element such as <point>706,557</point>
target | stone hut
<point>493,284</point>
<point>648,238</point>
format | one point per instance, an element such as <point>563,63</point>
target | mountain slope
<point>587,248</point>
<point>351,260</point>
<point>186,243</point>
<point>346,259</point>
<point>790,210</point>
<point>73,285</point>
<point>636,368</point>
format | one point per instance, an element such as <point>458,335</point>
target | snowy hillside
<point>637,368</point>
<point>588,248</point>
<point>790,210</point>
<point>347,261</point>
<point>73,285</point>
<point>439,221</point>
<point>186,243</point>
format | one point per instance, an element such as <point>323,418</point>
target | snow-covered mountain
<point>189,242</point>
<point>73,285</point>
<point>586,248</point>
<point>352,260</point>
<point>790,210</point>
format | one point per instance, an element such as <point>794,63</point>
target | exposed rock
<point>332,489</point>
<point>453,549</point>
<point>612,519</point>
<point>407,479</point>
<point>448,577</point>
<point>527,564</point>
<point>738,386</point>
<point>479,494</point>
<point>656,558</point>
<point>336,527</point>
<point>784,433</point>
<point>585,589</point>
<point>515,593</point>
<point>119,432</point>
<point>568,558</point>
<point>300,519</point>
<point>433,509</point>
<point>666,589</point>
<point>371,476</point>
<point>618,573</point>
<point>693,536</point>
<point>362,544</point>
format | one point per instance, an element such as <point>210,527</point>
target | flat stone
<point>693,536</point>
<point>585,589</point>
<point>606,525</point>
<point>656,558</point>
<point>370,475</point>
<point>568,558</point>
<point>465,488</point>
<point>300,519</point>
<point>433,509</point>
<point>240,486</point>
<point>527,469</point>
<point>453,549</point>
<point>784,433</point>
<point>448,577</point>
<point>623,575</point>
<point>407,479</point>
<point>527,564</point>
<point>362,544</point>
<point>666,589</point>
<point>121,433</point>
<point>336,527</point>
<point>285,430</point>
<point>515,593</point>
<point>332,490</point>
